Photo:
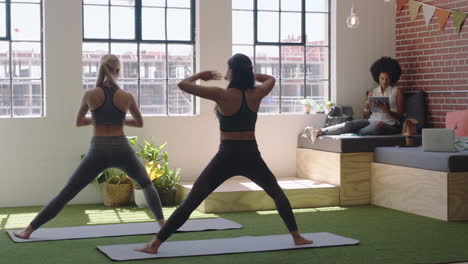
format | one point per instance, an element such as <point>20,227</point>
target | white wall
<point>39,154</point>
<point>356,49</point>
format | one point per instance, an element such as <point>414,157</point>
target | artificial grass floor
<point>387,236</point>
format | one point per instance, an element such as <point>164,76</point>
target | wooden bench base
<point>440,195</point>
<point>349,171</point>
<point>240,194</point>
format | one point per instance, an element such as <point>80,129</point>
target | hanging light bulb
<point>388,1</point>
<point>353,20</point>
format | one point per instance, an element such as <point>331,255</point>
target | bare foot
<point>312,133</point>
<point>151,247</point>
<point>25,233</point>
<point>300,240</point>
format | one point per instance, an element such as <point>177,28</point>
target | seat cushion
<point>348,143</point>
<point>416,158</point>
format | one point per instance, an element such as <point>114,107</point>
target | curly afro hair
<point>388,65</point>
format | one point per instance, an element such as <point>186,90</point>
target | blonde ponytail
<point>108,65</point>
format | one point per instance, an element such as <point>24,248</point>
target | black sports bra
<point>244,120</point>
<point>108,113</point>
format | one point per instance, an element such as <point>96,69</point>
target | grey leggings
<point>361,127</point>
<point>235,157</point>
<point>104,152</point>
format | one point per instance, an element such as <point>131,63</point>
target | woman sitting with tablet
<point>383,115</point>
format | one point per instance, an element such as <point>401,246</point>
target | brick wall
<point>434,61</point>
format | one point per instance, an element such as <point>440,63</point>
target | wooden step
<point>239,194</point>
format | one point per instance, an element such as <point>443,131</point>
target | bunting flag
<point>400,4</point>
<point>414,7</point>
<point>459,19</point>
<point>443,16</point>
<point>428,13</point>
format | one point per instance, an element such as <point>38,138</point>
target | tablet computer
<point>376,99</point>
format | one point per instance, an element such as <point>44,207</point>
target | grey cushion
<point>416,158</point>
<point>352,144</point>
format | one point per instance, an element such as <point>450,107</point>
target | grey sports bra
<point>108,113</point>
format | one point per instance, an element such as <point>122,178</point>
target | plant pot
<point>139,197</point>
<point>168,197</point>
<point>116,194</point>
<point>307,109</point>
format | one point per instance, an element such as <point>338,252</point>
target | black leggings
<point>104,152</point>
<point>234,158</point>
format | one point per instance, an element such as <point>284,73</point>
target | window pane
<point>26,60</point>
<point>160,3</point>
<point>291,5</point>
<point>317,63</point>
<point>246,50</point>
<point>96,2</point>
<point>180,65</point>
<point>180,103</point>
<point>29,1</point>
<point>130,86</point>
<point>25,22</point>
<point>178,3</point>
<point>292,94</point>
<point>242,4</point>
<point>5,98</point>
<point>242,29</point>
<point>4,60</point>
<point>268,26</point>
<point>178,24</point>
<point>317,29</point>
<point>123,2</point>
<point>267,62</point>
<point>292,62</point>
<point>291,25</point>
<point>128,57</point>
<point>96,22</point>
<point>27,98</point>
<point>317,90</point>
<point>268,4</point>
<point>153,24</point>
<point>317,5</point>
<point>123,22</point>
<point>153,97</point>
<point>180,61</point>
<point>152,61</point>
<point>92,53</point>
<point>2,21</point>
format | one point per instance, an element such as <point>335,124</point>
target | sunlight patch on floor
<point>13,221</point>
<point>112,216</point>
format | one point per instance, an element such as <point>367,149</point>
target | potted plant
<point>328,105</point>
<point>157,165</point>
<point>307,105</point>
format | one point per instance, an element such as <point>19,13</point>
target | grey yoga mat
<point>78,232</point>
<point>224,246</point>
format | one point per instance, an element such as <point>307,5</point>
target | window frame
<point>8,38</point>
<point>302,43</point>
<point>138,40</point>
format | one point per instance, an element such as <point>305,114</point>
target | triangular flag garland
<point>429,11</point>
<point>459,19</point>
<point>414,7</point>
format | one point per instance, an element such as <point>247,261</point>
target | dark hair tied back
<point>242,76</point>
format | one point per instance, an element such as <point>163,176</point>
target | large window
<point>154,40</point>
<point>21,85</point>
<point>288,39</point>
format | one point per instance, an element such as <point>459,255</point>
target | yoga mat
<point>224,246</point>
<point>79,232</point>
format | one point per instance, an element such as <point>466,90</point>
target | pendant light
<point>353,20</point>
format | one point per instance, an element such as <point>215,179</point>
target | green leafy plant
<point>157,166</point>
<point>308,102</point>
